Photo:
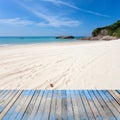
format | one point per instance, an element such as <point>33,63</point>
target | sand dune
<point>94,65</point>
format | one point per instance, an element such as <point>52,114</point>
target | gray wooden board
<point>36,105</point>
<point>87,106</point>
<point>113,101</point>
<point>104,106</point>
<point>14,109</point>
<point>53,105</point>
<point>7,111</point>
<point>40,111</point>
<point>25,104</point>
<point>8,98</point>
<point>98,106</point>
<point>92,106</point>
<point>109,104</point>
<point>70,114</point>
<point>47,107</point>
<point>30,107</point>
<point>75,106</point>
<point>64,105</point>
<point>58,112</point>
<point>3,93</point>
<point>114,95</point>
<point>5,99</point>
<point>118,91</point>
<point>59,105</point>
<point>81,107</point>
<point>19,107</point>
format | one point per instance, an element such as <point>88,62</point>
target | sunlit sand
<point>93,65</point>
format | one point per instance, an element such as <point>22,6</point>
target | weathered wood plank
<point>3,99</point>
<point>86,105</point>
<point>98,106</point>
<point>47,107</point>
<point>2,93</point>
<point>24,106</point>
<point>17,108</point>
<point>70,114</point>
<point>40,111</point>
<point>109,104</point>
<point>30,107</point>
<point>58,105</point>
<point>58,113</point>
<point>7,99</point>
<point>75,106</point>
<point>118,91</point>
<point>64,105</point>
<point>116,95</point>
<point>14,110</point>
<point>104,106</point>
<point>92,106</point>
<point>113,101</point>
<point>9,106</point>
<point>36,105</point>
<point>81,107</point>
<point>53,105</point>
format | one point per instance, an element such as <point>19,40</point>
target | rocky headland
<point>110,32</point>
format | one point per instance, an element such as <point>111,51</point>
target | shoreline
<point>93,65</point>
<point>53,43</point>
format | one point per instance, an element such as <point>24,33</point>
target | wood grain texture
<point>60,105</point>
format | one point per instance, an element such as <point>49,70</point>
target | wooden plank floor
<point>60,105</point>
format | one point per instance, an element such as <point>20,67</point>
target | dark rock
<point>51,85</point>
<point>65,37</point>
<point>99,37</point>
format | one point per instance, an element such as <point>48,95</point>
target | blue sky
<point>56,17</point>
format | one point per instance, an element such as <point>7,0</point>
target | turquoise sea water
<point>32,40</point>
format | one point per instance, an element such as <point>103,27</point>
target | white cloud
<point>50,20</point>
<point>59,2</point>
<point>54,22</point>
<point>59,23</point>
<point>16,21</point>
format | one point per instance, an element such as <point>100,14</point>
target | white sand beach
<point>94,65</point>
